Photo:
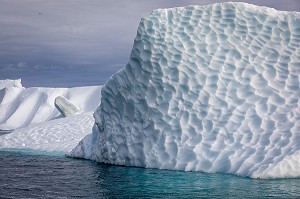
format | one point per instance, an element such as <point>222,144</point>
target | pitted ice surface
<point>207,88</point>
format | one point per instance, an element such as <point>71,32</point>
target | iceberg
<point>21,107</point>
<point>29,119</point>
<point>207,88</point>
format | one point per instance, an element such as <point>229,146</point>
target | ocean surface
<point>35,175</point>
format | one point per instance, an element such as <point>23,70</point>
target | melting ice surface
<point>207,88</point>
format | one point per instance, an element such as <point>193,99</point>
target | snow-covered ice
<point>21,107</point>
<point>54,136</point>
<point>37,124</point>
<point>207,88</point>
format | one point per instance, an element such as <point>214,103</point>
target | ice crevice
<point>207,88</point>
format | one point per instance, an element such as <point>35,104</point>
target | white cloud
<point>21,65</point>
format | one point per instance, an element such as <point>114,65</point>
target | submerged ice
<point>207,88</point>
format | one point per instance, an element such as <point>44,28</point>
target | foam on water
<point>207,88</point>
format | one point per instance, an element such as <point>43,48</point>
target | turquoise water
<point>26,175</point>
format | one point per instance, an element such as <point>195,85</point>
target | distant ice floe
<point>207,88</point>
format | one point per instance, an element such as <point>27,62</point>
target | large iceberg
<point>207,88</point>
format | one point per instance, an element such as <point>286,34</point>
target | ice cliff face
<point>212,89</point>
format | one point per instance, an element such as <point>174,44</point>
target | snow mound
<point>211,89</point>
<point>20,107</point>
<point>55,136</point>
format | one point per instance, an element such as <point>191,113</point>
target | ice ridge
<point>207,88</point>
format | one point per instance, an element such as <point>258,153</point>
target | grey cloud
<point>76,36</point>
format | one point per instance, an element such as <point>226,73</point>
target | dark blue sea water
<point>27,175</point>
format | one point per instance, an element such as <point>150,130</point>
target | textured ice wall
<point>212,89</point>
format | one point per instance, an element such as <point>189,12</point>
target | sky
<point>68,43</point>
